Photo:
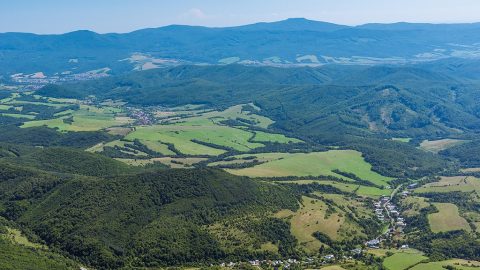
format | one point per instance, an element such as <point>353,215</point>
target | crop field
<point>456,263</point>
<point>403,260</point>
<point>453,183</point>
<point>313,164</point>
<point>447,219</point>
<point>439,145</point>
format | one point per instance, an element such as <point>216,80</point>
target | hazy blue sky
<point>58,16</point>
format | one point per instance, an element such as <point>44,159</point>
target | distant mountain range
<point>290,42</point>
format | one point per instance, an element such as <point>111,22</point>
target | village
<point>387,211</point>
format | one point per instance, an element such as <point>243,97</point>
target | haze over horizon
<point>54,16</point>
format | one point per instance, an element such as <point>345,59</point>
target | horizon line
<point>242,25</point>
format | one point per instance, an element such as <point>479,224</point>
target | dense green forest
<point>132,217</point>
<point>285,145</point>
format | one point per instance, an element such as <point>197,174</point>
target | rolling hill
<point>289,42</point>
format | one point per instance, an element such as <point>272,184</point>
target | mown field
<point>439,145</point>
<point>441,265</point>
<point>403,260</point>
<point>447,219</point>
<point>452,183</point>
<point>313,164</point>
<point>187,132</point>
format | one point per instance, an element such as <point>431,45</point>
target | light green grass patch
<point>447,219</point>
<point>314,164</point>
<point>457,263</point>
<point>62,113</point>
<point>158,147</point>
<point>452,183</point>
<point>17,237</point>
<point>4,107</point>
<point>403,260</point>
<point>404,140</point>
<point>272,137</point>
<point>83,120</point>
<point>311,218</point>
<point>439,145</point>
<point>56,105</point>
<point>26,116</point>
<point>182,134</point>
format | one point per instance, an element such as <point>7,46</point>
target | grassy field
<point>17,252</point>
<point>453,183</point>
<point>86,119</point>
<point>447,219</point>
<point>313,164</point>
<point>158,147</point>
<point>439,145</point>
<point>413,205</point>
<point>471,170</point>
<point>50,104</point>
<point>271,137</point>
<point>353,188</point>
<point>181,135</point>
<point>403,260</point>
<point>207,127</point>
<point>311,218</point>
<point>457,263</point>
<point>15,115</point>
<point>404,140</point>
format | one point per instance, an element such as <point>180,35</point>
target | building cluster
<point>387,211</point>
<point>274,263</point>
<point>141,116</point>
<point>38,80</point>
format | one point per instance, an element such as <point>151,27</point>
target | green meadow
<point>313,164</point>
<point>403,260</point>
<point>447,219</point>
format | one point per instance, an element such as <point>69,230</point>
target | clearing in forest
<point>439,145</point>
<point>447,219</point>
<point>313,164</point>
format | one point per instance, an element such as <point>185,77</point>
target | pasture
<point>452,183</point>
<point>87,119</point>
<point>272,137</point>
<point>403,260</point>
<point>313,164</point>
<point>182,128</point>
<point>439,145</point>
<point>404,140</point>
<point>456,263</point>
<point>360,190</point>
<point>447,219</point>
<point>310,218</point>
